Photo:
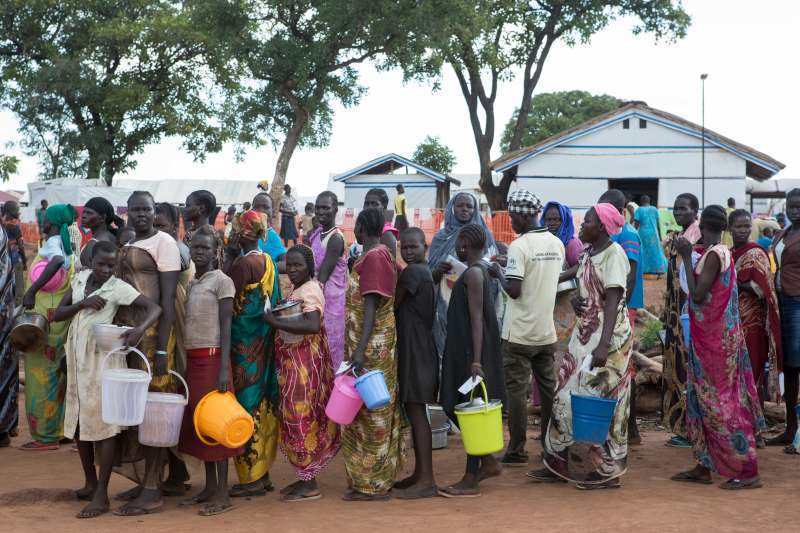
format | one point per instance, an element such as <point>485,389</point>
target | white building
<point>640,150</point>
<point>423,187</point>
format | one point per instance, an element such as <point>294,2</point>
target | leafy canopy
<point>431,153</point>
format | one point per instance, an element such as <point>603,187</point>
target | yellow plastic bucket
<point>481,425</point>
<point>219,417</point>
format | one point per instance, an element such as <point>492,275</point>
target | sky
<point>747,48</point>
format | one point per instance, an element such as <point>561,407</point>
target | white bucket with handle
<point>163,416</point>
<point>124,391</point>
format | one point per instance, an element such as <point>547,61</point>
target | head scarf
<point>566,231</point>
<point>610,218</point>
<point>444,242</point>
<point>62,216</point>
<point>263,185</point>
<point>103,207</point>
<point>524,202</point>
<point>251,225</point>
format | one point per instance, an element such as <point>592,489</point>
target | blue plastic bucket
<point>591,418</point>
<point>372,388</point>
<point>687,338</point>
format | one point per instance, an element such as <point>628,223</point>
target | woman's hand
<point>270,318</point>
<point>683,246</point>
<point>501,260</point>
<point>600,355</point>
<point>357,360</point>
<point>578,305</point>
<point>29,300</point>
<point>132,336</point>
<point>95,303</point>
<point>494,270</point>
<point>443,268</point>
<point>475,370</point>
<point>224,378</point>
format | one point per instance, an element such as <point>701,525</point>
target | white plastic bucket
<point>163,416</point>
<point>124,391</point>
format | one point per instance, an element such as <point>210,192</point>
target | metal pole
<point>703,146</point>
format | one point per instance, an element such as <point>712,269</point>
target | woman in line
<point>45,382</point>
<point>99,217</point>
<point>472,349</point>
<point>330,259</point>
<point>685,212</point>
<point>786,252</point>
<point>309,439</point>
<point>209,305</point>
<point>201,209</point>
<point>9,360</point>
<point>151,264</point>
<point>288,209</point>
<point>417,360</point>
<point>271,243</point>
<point>254,376</point>
<point>167,219</point>
<point>94,298</point>
<point>646,221</point>
<point>461,210</point>
<point>372,444</point>
<point>758,304</point>
<point>723,412</point>
<point>596,363</point>
<point>378,199</point>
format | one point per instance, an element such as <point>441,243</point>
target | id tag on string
<point>470,384</point>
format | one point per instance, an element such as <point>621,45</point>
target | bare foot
<point>416,491</point>
<point>86,492</point>
<point>130,494</point>
<point>205,495</point>
<point>405,483</point>
<point>148,502</point>
<point>356,496</point>
<point>304,490</point>
<point>490,468</point>
<point>94,509</point>
<point>466,488</point>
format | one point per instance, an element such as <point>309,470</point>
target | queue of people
<point>556,307</point>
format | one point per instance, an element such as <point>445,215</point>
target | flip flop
<point>36,446</point>
<point>740,484</point>
<point>687,477</point>
<point>176,492</point>
<point>355,496</point>
<point>194,500</point>
<point>294,497</point>
<point>402,494</point>
<point>212,509</point>
<point>450,492</point>
<point>246,493</point>
<point>130,510</point>
<point>790,450</point>
<point>598,486</point>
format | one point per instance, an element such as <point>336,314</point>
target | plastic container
<point>373,390</point>
<point>439,437</point>
<point>220,420</point>
<point>481,424</point>
<point>345,402</point>
<point>53,283</point>
<point>163,417</point>
<point>124,391</point>
<point>108,337</point>
<point>687,338</point>
<point>591,418</point>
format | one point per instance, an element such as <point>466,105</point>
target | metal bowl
<point>29,331</point>
<point>566,286</point>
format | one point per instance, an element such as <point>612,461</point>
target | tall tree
<point>128,73</point>
<point>485,42</point>
<point>552,113</point>
<point>8,166</point>
<point>431,153</point>
<point>300,57</point>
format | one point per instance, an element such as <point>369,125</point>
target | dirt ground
<point>35,495</point>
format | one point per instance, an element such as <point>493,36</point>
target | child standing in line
<point>417,360</point>
<point>93,298</point>
<point>307,222</point>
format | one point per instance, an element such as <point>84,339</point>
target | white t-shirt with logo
<point>536,258</point>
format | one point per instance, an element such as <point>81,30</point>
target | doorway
<point>635,188</point>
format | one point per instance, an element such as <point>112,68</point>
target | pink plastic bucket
<point>345,402</point>
<point>54,283</point>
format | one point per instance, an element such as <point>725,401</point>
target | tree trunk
<point>93,166</point>
<point>284,158</point>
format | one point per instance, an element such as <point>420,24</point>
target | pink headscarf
<point>610,218</point>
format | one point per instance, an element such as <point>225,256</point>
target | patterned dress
<point>9,360</point>
<point>577,461</point>
<point>723,411</point>
<point>373,444</point>
<point>309,439</point>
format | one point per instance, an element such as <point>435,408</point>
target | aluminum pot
<point>567,286</point>
<point>291,310</point>
<point>29,331</point>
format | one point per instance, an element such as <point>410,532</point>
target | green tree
<point>300,58</point>
<point>552,113</point>
<point>431,153</point>
<point>8,166</point>
<point>127,73</point>
<point>485,42</point>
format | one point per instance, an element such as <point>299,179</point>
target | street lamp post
<point>703,146</point>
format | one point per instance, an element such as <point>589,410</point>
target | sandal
<point>689,477</point>
<point>739,484</point>
<point>295,497</point>
<point>355,496</point>
<point>452,492</point>
<point>37,446</point>
<point>135,510</point>
<point>790,450</point>
<point>211,509</point>
<point>404,494</point>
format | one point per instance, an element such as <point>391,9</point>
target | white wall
<point>653,152</point>
<point>420,189</point>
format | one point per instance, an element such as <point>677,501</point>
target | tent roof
<point>760,166</point>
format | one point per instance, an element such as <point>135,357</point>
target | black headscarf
<point>103,207</point>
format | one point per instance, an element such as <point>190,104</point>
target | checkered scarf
<point>524,202</point>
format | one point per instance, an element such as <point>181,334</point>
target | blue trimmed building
<point>423,187</point>
<point>640,150</point>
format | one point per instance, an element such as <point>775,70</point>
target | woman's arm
<point>225,314</point>
<point>152,312</point>
<point>388,239</point>
<point>569,273</point>
<point>600,353</point>
<point>371,302</point>
<point>29,300</point>
<point>309,324</point>
<point>333,252</point>
<point>65,309</point>
<point>474,280</point>
<point>700,285</point>
<point>168,282</point>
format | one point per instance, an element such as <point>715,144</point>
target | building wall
<point>578,171</point>
<point>420,190</point>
